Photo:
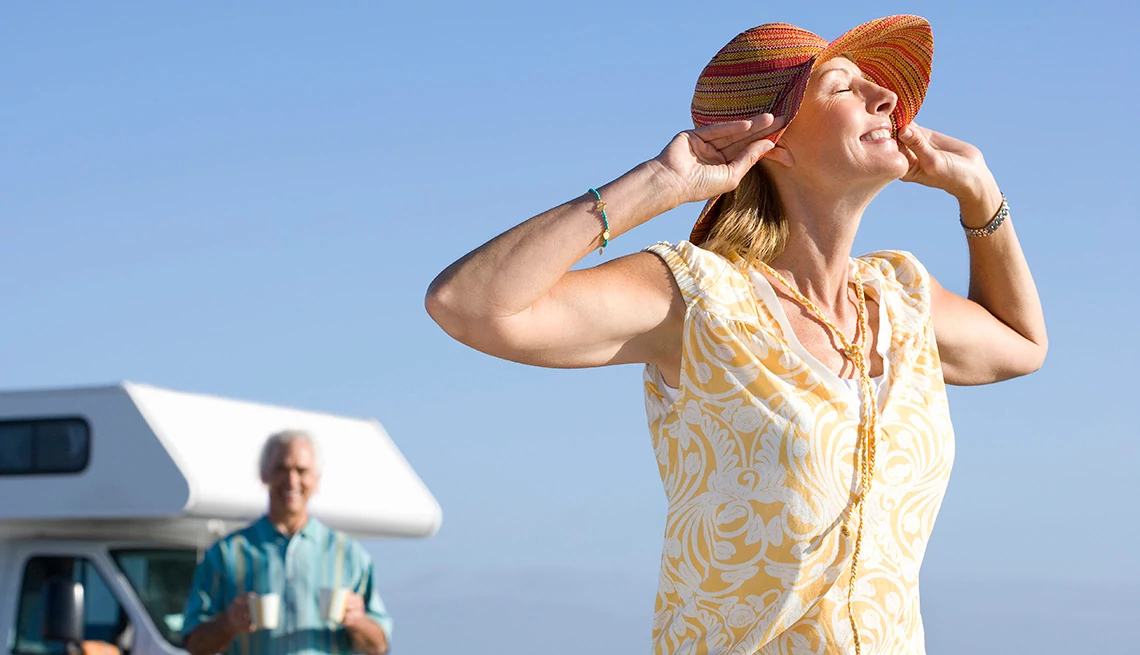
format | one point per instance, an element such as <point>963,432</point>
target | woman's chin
<point>881,176</point>
<point>894,167</point>
<point>882,167</point>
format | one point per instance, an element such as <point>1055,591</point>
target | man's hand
<point>354,610</point>
<point>238,616</point>
<point>215,636</point>
<point>367,636</point>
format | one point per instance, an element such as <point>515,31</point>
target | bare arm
<point>998,332</point>
<point>516,298</point>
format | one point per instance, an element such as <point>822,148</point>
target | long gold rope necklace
<point>868,415</point>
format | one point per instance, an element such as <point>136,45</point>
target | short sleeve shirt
<point>261,560</point>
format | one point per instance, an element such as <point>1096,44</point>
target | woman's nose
<point>886,101</point>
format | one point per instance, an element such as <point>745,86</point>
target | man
<point>291,555</point>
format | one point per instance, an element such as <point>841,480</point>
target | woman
<point>795,395</point>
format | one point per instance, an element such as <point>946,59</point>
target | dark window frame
<point>117,555</point>
<point>83,560</point>
<point>35,422</point>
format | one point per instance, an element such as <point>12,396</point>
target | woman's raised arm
<point>515,297</point>
<point>998,331</point>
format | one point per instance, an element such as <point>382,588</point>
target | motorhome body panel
<point>161,455</point>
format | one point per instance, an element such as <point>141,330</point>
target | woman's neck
<point>821,233</point>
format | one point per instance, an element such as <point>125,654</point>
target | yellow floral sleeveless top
<point>756,452</point>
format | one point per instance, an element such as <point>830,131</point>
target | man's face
<point>293,477</point>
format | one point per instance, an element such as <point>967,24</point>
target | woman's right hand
<point>710,160</point>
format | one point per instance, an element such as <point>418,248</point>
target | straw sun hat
<point>766,69</point>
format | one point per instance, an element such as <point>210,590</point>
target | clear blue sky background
<point>250,201</point>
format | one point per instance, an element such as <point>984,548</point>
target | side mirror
<point>63,611</point>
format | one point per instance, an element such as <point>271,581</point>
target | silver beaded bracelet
<point>992,226</point>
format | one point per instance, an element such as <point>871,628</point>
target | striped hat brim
<point>895,51</point>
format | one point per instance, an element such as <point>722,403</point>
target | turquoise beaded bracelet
<point>601,207</point>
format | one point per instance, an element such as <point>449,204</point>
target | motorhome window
<point>103,617</point>
<point>15,447</point>
<point>44,446</point>
<point>161,578</point>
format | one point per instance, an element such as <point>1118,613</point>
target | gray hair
<point>277,440</point>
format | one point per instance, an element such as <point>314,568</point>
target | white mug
<point>265,610</point>
<point>333,604</point>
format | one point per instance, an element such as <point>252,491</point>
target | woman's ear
<point>780,155</point>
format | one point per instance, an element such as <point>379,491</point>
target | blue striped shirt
<point>260,559</point>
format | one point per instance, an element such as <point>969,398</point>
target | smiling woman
<point>795,394</point>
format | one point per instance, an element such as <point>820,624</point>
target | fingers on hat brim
<point>705,219</point>
<point>785,106</point>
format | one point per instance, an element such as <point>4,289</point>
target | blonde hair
<point>749,221</point>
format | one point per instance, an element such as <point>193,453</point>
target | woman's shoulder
<point>689,255</point>
<point>899,266</point>
<point>702,275</point>
<point>903,278</point>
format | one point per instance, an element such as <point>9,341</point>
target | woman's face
<point>843,130</point>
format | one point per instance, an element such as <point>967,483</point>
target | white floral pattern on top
<point>756,455</point>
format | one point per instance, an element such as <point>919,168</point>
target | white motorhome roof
<point>160,458</point>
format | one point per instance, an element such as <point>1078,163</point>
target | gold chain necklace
<point>868,415</point>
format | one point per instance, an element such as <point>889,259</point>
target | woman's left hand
<point>943,162</point>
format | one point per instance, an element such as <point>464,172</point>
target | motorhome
<point>118,490</point>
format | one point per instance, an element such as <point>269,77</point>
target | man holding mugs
<point>286,584</point>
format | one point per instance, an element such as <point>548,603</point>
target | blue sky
<point>250,201</point>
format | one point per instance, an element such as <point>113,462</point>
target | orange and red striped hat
<point>766,69</point>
